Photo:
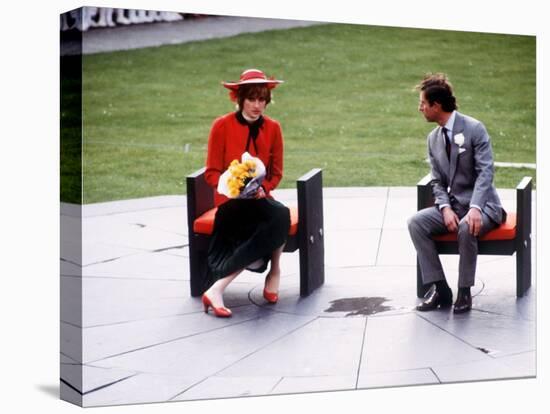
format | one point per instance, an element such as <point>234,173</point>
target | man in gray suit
<point>466,201</point>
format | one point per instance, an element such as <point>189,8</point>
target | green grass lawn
<point>348,104</point>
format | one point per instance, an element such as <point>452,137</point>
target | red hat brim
<point>271,83</point>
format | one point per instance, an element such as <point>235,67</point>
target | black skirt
<point>245,231</point>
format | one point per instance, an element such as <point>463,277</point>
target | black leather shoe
<point>435,298</point>
<point>463,302</point>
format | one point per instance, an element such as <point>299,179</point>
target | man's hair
<point>253,91</point>
<point>437,88</point>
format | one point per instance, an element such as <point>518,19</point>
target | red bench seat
<point>506,231</point>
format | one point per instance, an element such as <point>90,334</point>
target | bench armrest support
<point>200,197</point>
<point>424,195</point>
<point>311,231</point>
<point>523,235</point>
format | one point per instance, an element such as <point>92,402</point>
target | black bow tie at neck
<point>253,129</point>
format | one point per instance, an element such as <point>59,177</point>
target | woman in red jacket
<point>248,233</point>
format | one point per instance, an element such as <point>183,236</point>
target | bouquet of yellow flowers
<point>242,179</point>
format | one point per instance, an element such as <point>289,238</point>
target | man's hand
<point>473,218</point>
<point>450,219</point>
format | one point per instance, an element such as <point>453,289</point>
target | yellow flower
<point>239,175</point>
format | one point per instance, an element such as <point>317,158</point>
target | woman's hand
<point>260,193</point>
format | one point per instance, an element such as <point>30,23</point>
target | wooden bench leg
<point>200,198</point>
<point>198,263</point>
<point>310,231</point>
<point>523,269</point>
<point>523,237</point>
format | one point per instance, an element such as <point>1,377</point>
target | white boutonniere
<point>461,150</point>
<point>459,139</point>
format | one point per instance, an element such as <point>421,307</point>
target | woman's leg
<point>274,276</point>
<point>215,292</point>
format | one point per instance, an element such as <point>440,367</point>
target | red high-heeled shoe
<point>221,312</point>
<point>271,297</point>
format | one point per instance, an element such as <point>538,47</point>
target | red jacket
<point>227,142</point>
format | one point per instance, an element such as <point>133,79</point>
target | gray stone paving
<point>189,30</point>
<point>145,339</point>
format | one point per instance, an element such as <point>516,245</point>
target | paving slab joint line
<point>133,210</point>
<point>382,226</point>
<point>92,277</point>
<point>74,325</point>
<point>168,341</point>
<point>109,384</point>
<point>152,318</point>
<point>453,335</point>
<point>69,261</point>
<point>71,358</point>
<point>516,353</point>
<point>435,375</point>
<point>72,387</point>
<point>243,358</point>
<point>73,276</point>
<point>113,259</point>
<point>97,388</point>
<point>276,385</point>
<point>368,266</point>
<point>361,353</point>
<point>162,249</point>
<point>140,251</point>
<point>503,314</point>
<point>72,364</point>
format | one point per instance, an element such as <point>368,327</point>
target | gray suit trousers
<point>429,222</point>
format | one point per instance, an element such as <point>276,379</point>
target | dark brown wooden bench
<point>305,234</point>
<point>513,236</point>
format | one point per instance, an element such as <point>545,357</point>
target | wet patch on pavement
<point>359,306</point>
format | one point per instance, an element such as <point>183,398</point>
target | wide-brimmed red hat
<point>252,76</point>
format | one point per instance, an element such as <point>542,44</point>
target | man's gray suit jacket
<point>468,174</point>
